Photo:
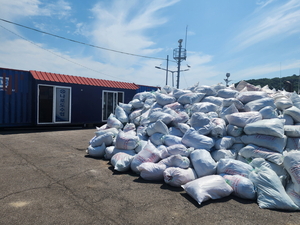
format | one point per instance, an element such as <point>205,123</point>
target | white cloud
<point>123,25</point>
<point>21,8</point>
<point>279,21</point>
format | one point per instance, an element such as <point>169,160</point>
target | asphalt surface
<point>46,178</point>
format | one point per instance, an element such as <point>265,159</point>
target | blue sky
<point>249,39</point>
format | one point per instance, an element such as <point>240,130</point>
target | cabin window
<point>110,100</point>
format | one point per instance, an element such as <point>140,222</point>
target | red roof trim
<point>54,77</point>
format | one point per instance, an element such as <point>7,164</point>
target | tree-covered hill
<point>290,83</point>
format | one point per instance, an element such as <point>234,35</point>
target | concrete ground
<point>46,178</point>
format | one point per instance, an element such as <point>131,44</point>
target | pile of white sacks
<point>213,141</point>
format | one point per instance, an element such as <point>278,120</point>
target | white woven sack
<point>229,101</point>
<point>190,98</point>
<point>157,138</point>
<point>148,154</point>
<point>292,130</point>
<point>291,163</point>
<point>136,103</point>
<point>283,103</point>
<point>141,132</point>
<point>121,161</point>
<point>141,145</point>
<point>175,131</point>
<point>152,171</point>
<point>176,176</point>
<point>208,187</point>
<point>110,151</point>
<point>166,89</point>
<point>203,163</point>
<point>272,127</point>
<point>249,96</point>
<point>127,107</point>
<point>224,142</point>
<point>170,140</point>
<point>193,139</point>
<point>288,119</point>
<point>294,112</point>
<point>204,107</point>
<point>175,106</point>
<point>295,98</point>
<point>213,99</point>
<point>227,111</point>
<point>234,131</point>
<point>183,127</point>
<point>253,151</point>
<point>258,104</point>
<point>96,152</point>
<point>142,96</point>
<point>227,93</point>
<point>241,119</point>
<point>292,143</point>
<point>176,161</point>
<point>157,127</point>
<point>181,117</point>
<point>268,112</point>
<point>164,99</point>
<point>165,117</point>
<point>208,90</point>
<point>218,127</point>
<point>112,121</point>
<point>121,114</point>
<point>178,92</point>
<point>176,149</point>
<point>100,132</point>
<point>278,169</point>
<point>126,141</point>
<point>242,186</point>
<point>136,113</point>
<point>223,154</point>
<point>232,167</point>
<point>201,122</point>
<point>270,191</point>
<point>129,128</point>
<point>237,147</point>
<point>271,142</point>
<point>106,138</point>
<point>292,194</point>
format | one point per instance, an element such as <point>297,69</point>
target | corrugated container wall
<point>143,88</point>
<point>15,98</point>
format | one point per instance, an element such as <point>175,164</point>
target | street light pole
<point>171,71</point>
<point>167,70</point>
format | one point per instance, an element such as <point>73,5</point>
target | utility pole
<point>179,54</point>
<point>171,71</point>
<point>167,69</point>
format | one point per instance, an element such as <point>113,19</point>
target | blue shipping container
<point>15,98</point>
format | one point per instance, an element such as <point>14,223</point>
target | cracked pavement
<point>46,178</point>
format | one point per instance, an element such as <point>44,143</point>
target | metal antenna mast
<point>179,54</point>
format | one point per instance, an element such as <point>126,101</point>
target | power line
<point>79,42</point>
<point>62,56</point>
